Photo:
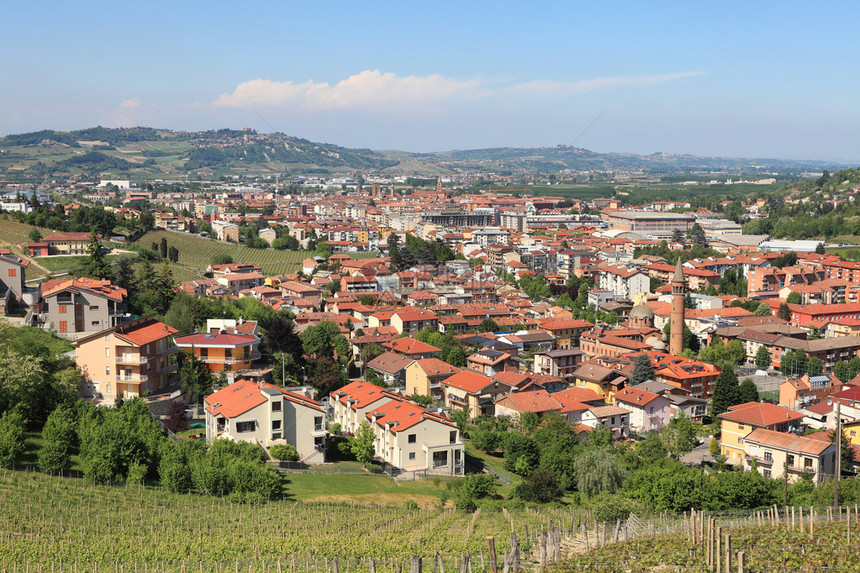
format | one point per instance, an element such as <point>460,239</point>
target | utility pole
<point>838,471</point>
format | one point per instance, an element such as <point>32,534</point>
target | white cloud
<point>372,88</point>
<point>131,102</point>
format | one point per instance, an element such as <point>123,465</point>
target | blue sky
<point>750,79</point>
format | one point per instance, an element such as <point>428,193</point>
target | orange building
<point>222,352</point>
<point>127,360</point>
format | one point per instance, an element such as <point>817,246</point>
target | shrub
<point>541,486</point>
<point>284,452</point>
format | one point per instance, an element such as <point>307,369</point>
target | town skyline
<point>734,81</point>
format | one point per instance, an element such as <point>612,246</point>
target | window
<point>766,473</point>
<point>276,424</point>
<point>246,426</point>
<point>789,460</point>
<point>651,410</point>
<point>276,406</point>
<point>62,309</point>
<point>768,456</point>
<point>740,426</point>
<point>12,272</point>
<point>107,370</point>
<point>440,459</point>
<point>412,438</point>
<point>452,437</point>
<point>107,352</point>
<point>94,308</point>
<point>318,423</point>
<point>411,455</point>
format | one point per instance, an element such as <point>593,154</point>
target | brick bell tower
<point>676,319</point>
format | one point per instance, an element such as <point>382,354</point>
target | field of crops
<point>47,519</point>
<point>196,252</point>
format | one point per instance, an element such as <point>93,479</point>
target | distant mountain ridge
<point>146,151</point>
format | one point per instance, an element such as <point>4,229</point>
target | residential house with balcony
<point>566,332</point>
<point>127,360</point>
<point>561,363</point>
<point>411,348</point>
<point>234,283</point>
<point>67,243</point>
<point>491,362</point>
<point>615,418</point>
<point>604,381</point>
<point>265,414</point>
<point>648,411</point>
<point>741,420</point>
<point>413,319</point>
<point>472,391</point>
<point>222,352</point>
<point>777,453</point>
<point>538,402</point>
<point>78,306</point>
<point>350,404</point>
<point>424,377</point>
<point>412,439</point>
<point>391,367</point>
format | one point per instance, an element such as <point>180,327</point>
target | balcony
<point>131,359</point>
<point>232,360</point>
<point>132,378</point>
<point>169,368</point>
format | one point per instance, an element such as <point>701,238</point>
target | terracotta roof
<point>399,415</point>
<point>634,396</point>
<point>67,237</point>
<point>537,401</point>
<point>789,442</point>
<point>362,393</point>
<point>436,367</point>
<point>760,414</point>
<point>243,395</point>
<point>469,381</point>
<point>604,411</point>
<point>212,339</point>
<point>104,288</point>
<point>145,333</point>
<point>410,346</point>
<point>390,362</point>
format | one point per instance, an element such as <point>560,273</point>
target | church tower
<point>676,320</point>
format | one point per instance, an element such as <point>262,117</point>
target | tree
<point>748,391</point>
<point>196,378</point>
<point>460,417</point>
<point>643,369</point>
<point>488,325</point>
<point>598,470</point>
<point>173,255</point>
<point>814,366</point>
<point>176,418</point>
<point>679,436</point>
<point>97,267</point>
<point>222,259</point>
<point>162,248</point>
<point>539,487</point>
<point>678,236</point>
<point>11,438</point>
<point>362,444</point>
<point>784,312</point>
<point>763,310</point>
<point>697,235</point>
<point>58,436</point>
<point>35,235</point>
<point>726,392</point>
<point>325,339</point>
<point>123,274</point>
<point>762,357</point>
<point>819,249</point>
<point>286,452</point>
<point>792,298</point>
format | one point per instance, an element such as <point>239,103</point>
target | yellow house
<point>566,331</point>
<point>473,392</point>
<point>741,420</point>
<point>852,430</point>
<point>603,381</point>
<point>127,360</point>
<point>425,375</point>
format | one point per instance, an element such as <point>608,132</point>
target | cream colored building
<point>777,453</point>
<point>262,413</point>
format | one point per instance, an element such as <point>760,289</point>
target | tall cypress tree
<point>726,392</point>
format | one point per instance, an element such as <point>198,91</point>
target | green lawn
<point>365,489</point>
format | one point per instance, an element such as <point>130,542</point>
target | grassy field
<point>196,252</point>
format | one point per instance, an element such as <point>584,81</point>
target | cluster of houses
<point>539,358</point>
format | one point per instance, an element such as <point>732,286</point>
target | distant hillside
<point>147,152</point>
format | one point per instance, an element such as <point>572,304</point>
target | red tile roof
<point>146,333</point>
<point>410,346</point>
<point>537,401</point>
<point>469,381</point>
<point>362,393</point>
<point>401,415</point>
<point>219,340</point>
<point>760,414</point>
<point>243,395</point>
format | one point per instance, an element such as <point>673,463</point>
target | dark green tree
<point>12,426</point>
<point>196,378</point>
<point>697,235</point>
<point>726,392</point>
<point>643,369</point>
<point>59,436</point>
<point>762,357</point>
<point>784,312</point>
<point>748,391</point>
<point>97,266</point>
<point>792,298</point>
<point>162,248</point>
